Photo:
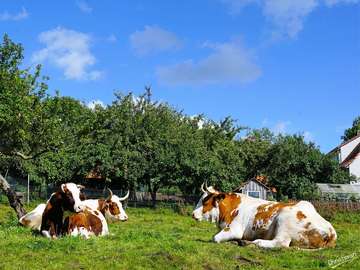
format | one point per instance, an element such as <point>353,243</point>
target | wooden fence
<point>343,206</point>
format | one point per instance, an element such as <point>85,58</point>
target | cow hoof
<point>216,239</point>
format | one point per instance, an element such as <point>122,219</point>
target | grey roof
<point>252,180</point>
<point>339,188</point>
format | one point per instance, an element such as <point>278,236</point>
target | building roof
<point>338,188</point>
<point>94,174</point>
<point>351,157</point>
<point>344,143</point>
<point>261,180</point>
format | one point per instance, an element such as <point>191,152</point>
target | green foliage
<point>294,167</point>
<point>24,127</point>
<point>139,143</point>
<point>353,131</point>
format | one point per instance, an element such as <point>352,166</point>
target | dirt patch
<point>244,260</point>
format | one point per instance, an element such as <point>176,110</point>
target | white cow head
<point>113,207</point>
<point>207,207</point>
<point>70,194</point>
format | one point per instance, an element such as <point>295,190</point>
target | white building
<point>348,155</point>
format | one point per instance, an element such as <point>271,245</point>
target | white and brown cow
<point>87,223</point>
<point>264,223</point>
<point>67,198</point>
<point>110,207</point>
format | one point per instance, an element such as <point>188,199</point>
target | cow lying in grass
<point>266,224</point>
<point>111,208</point>
<point>67,198</point>
<point>87,223</point>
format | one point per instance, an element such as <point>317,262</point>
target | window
<point>254,194</point>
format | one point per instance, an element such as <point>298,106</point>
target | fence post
<point>28,189</point>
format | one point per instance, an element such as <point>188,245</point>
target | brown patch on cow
<point>25,222</point>
<point>227,207</point>
<point>53,215</point>
<point>114,208</point>
<point>307,225</point>
<point>102,206</point>
<point>266,212</point>
<point>95,223</point>
<point>65,189</point>
<point>209,203</point>
<point>83,219</point>
<point>300,215</point>
<point>314,239</point>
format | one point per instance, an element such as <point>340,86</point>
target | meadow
<point>165,238</point>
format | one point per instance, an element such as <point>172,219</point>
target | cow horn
<point>202,187</point>
<point>111,194</point>
<point>125,197</point>
<point>211,189</point>
<point>80,187</point>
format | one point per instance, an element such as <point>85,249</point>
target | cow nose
<point>125,218</point>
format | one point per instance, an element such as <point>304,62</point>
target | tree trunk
<point>14,201</point>
<point>153,199</point>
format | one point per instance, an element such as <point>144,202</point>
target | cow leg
<point>275,243</point>
<point>49,230</point>
<point>230,232</point>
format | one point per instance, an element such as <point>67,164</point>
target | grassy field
<point>164,239</point>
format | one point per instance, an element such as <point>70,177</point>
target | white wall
<point>346,149</point>
<point>354,167</point>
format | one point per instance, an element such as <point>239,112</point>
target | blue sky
<point>290,65</point>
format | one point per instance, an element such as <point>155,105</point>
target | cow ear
<point>220,197</point>
<point>63,188</point>
<point>80,187</point>
<point>82,197</point>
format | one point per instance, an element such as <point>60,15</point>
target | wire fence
<point>37,192</point>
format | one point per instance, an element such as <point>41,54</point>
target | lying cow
<point>87,223</point>
<point>67,198</point>
<point>264,223</point>
<point>110,207</point>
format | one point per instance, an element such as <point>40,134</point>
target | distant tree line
<point>138,142</point>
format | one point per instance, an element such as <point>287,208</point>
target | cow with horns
<point>111,208</point>
<point>67,198</point>
<point>264,223</point>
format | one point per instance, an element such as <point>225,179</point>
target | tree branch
<point>8,152</point>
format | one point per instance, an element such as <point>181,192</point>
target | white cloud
<point>153,39</point>
<point>280,127</point>
<point>92,104</point>
<point>335,2</point>
<point>84,6</point>
<point>235,6</point>
<point>228,63</point>
<point>6,16</point>
<point>308,136</point>
<point>68,50</point>
<point>287,16</point>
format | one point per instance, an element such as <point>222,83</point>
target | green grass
<point>163,239</point>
